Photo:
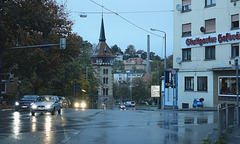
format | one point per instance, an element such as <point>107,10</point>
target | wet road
<point>107,127</point>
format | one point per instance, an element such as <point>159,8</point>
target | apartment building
<point>206,39</point>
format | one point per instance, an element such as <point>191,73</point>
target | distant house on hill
<point>135,63</point>
<point>119,57</point>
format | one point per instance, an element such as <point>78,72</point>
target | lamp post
<point>165,57</point>
<point>165,37</point>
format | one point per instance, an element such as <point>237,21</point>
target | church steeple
<point>102,33</point>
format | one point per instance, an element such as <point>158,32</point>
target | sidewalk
<point>234,137</point>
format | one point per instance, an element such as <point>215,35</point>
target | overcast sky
<point>124,30</point>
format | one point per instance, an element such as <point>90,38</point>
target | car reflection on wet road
<point>107,126</point>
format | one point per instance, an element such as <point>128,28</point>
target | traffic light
<point>62,43</point>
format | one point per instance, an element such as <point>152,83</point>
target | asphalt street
<point>93,126</point>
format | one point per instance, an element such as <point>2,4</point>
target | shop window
<point>210,3</point>
<point>186,5</point>
<point>186,54</point>
<point>235,21</point>
<point>186,30</point>
<point>235,50</point>
<point>227,85</point>
<point>210,53</point>
<point>189,83</point>
<point>210,26</point>
<point>202,84</point>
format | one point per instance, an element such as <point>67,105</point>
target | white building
<point>126,77</point>
<point>206,38</point>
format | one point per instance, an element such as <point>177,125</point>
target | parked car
<point>63,102</point>
<point>122,106</point>
<point>82,104</point>
<point>46,103</point>
<point>133,103</point>
<point>25,102</point>
<point>128,104</point>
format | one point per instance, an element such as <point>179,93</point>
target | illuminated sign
<point>211,39</point>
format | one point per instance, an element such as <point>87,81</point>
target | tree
<point>131,51</point>
<point>118,66</point>
<point>140,91</point>
<point>25,26</point>
<point>115,49</point>
<point>121,91</point>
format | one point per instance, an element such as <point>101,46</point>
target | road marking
<point>68,138</point>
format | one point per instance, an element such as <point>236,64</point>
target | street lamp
<point>165,37</point>
<point>165,57</point>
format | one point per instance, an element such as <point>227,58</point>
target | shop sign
<point>211,39</point>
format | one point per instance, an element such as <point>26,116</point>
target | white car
<point>46,103</point>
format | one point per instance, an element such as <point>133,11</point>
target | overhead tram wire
<point>125,19</point>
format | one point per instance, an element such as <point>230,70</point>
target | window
<point>202,83</point>
<point>3,86</point>
<point>235,50</point>
<point>186,29</point>
<point>210,3</point>
<point>227,85</point>
<point>235,21</point>
<point>210,26</point>
<point>189,83</point>
<point>105,80</point>
<point>186,5</point>
<point>105,71</point>
<point>210,52</point>
<point>186,54</point>
<point>105,91</point>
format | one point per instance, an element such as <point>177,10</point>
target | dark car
<point>80,104</point>
<point>25,102</point>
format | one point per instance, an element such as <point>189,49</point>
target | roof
<point>135,60</point>
<point>102,49</point>
<point>146,77</point>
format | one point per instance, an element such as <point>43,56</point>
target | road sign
<point>173,72</point>
<point>155,91</point>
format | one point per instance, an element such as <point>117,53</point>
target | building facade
<point>206,38</point>
<point>135,63</point>
<point>102,60</point>
<point>127,77</point>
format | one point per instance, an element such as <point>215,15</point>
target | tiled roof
<point>103,50</point>
<point>136,60</point>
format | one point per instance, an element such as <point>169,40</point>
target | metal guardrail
<point>225,116</point>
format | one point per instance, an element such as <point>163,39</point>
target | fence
<point>225,116</point>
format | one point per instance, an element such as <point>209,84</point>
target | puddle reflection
<point>48,126</point>
<point>16,124</point>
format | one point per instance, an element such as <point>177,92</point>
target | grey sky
<point>146,14</point>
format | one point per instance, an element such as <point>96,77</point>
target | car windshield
<point>45,99</point>
<point>29,98</point>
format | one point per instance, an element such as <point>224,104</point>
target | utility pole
<point>236,64</point>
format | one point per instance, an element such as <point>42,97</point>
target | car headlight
<point>48,106</point>
<point>83,105</point>
<point>34,106</point>
<point>76,104</point>
<point>16,103</point>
